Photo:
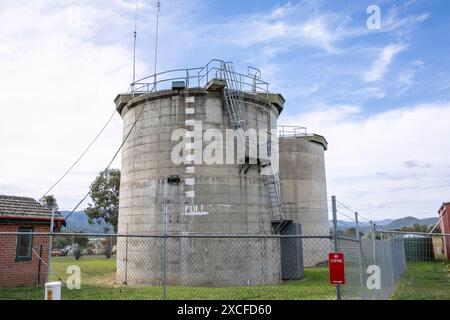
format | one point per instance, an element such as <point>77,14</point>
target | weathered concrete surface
<point>236,204</point>
<point>302,169</point>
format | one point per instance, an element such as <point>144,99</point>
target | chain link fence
<point>372,267</point>
<point>378,265</point>
<point>173,267</point>
<point>427,271</point>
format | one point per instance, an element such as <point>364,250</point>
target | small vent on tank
<point>175,179</point>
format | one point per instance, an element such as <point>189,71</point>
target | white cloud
<point>402,25</point>
<point>58,83</point>
<point>60,71</point>
<point>317,31</point>
<point>59,74</point>
<point>404,81</point>
<point>386,164</point>
<point>369,92</point>
<point>381,64</point>
<point>305,91</point>
<point>300,25</point>
<point>406,77</point>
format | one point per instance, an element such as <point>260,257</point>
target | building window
<point>24,245</point>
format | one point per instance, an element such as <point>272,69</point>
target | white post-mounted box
<point>53,291</point>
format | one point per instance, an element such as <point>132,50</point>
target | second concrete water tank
<point>302,169</point>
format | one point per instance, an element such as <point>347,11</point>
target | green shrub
<point>78,252</point>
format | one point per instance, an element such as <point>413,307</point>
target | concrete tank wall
<point>302,170</point>
<point>235,204</point>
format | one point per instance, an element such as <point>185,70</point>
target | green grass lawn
<point>98,275</point>
<point>95,270</point>
<point>424,281</point>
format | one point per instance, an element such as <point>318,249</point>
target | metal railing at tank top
<point>199,77</point>
<point>291,131</point>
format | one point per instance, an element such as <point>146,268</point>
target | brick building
<point>444,216</point>
<point>19,261</point>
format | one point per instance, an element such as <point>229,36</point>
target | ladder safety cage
<point>234,103</point>
<point>246,82</point>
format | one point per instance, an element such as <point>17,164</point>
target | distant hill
<point>78,222</point>
<point>388,224</point>
<point>384,222</point>
<point>409,222</point>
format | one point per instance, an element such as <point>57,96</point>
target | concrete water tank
<point>302,169</point>
<point>202,198</point>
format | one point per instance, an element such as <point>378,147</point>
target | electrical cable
<point>353,211</point>
<point>115,155</point>
<point>81,156</point>
<point>158,8</point>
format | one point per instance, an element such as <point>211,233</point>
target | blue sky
<point>419,27</point>
<point>380,97</point>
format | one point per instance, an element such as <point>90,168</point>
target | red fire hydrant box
<point>337,268</point>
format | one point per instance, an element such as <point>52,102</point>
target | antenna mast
<point>158,8</point>
<point>134,45</point>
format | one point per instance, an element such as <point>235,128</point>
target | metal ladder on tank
<point>233,97</point>
<point>233,101</point>
<point>272,181</point>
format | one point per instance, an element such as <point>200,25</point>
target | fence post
<point>165,253</point>
<point>361,270</point>
<point>50,244</point>
<point>110,246</point>
<point>39,265</point>
<point>126,257</point>
<point>336,239</point>
<point>374,250</point>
